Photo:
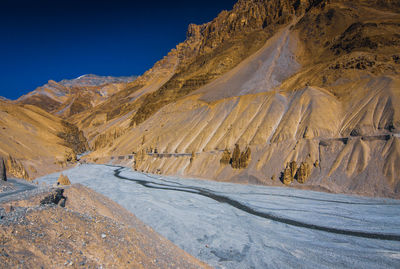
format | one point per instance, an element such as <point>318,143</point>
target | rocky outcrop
<point>140,158</point>
<point>73,138</point>
<point>235,160</point>
<point>286,176</point>
<point>63,180</point>
<point>15,168</point>
<point>289,173</point>
<point>226,157</point>
<point>56,198</point>
<point>3,172</point>
<point>245,158</point>
<point>107,139</point>
<point>292,172</point>
<point>303,172</point>
<point>239,160</point>
<point>367,37</point>
<point>293,169</point>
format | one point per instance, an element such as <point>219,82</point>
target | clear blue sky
<point>56,39</point>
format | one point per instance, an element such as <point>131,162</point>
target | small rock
<point>103,236</point>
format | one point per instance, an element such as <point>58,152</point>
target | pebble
<point>103,236</point>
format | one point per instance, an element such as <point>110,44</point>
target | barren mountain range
<point>303,93</point>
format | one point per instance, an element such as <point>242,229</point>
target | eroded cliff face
<point>311,83</point>
<point>15,168</point>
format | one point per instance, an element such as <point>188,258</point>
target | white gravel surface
<point>245,226</point>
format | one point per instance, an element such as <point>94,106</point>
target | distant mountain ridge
<point>95,80</point>
<point>71,96</point>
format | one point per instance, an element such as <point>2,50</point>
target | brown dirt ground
<point>90,232</point>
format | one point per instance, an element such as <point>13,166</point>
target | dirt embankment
<point>91,231</point>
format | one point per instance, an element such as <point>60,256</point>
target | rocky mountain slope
<point>34,142</point>
<point>69,97</point>
<point>308,86</point>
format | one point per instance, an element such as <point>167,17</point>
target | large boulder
<point>3,173</point>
